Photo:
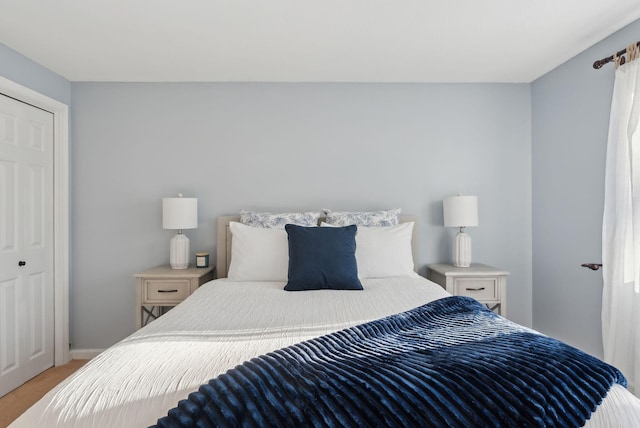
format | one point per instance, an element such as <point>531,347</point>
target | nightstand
<point>484,283</point>
<point>161,287</point>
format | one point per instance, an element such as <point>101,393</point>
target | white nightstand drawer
<point>481,282</point>
<point>478,288</point>
<point>161,287</point>
<point>163,290</point>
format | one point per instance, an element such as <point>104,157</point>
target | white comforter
<point>222,324</point>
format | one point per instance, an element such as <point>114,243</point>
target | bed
<point>227,322</point>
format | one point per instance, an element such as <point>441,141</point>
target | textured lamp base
<point>462,250</point>
<point>179,251</point>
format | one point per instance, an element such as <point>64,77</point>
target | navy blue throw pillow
<point>322,258</point>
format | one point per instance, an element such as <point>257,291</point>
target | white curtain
<point>621,229</point>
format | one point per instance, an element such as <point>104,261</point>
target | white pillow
<point>258,254</point>
<point>383,252</point>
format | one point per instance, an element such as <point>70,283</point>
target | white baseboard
<point>84,354</point>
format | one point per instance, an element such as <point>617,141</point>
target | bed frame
<point>223,242</point>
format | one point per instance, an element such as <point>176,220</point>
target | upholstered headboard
<point>223,245</point>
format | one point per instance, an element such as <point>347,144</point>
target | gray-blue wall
<point>20,69</point>
<point>281,146</point>
<point>288,147</point>
<point>360,146</point>
<point>570,108</point>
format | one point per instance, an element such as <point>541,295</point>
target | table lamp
<point>179,213</point>
<point>461,211</point>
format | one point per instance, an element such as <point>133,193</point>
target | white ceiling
<point>308,40</point>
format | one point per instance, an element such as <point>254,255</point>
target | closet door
<point>26,242</point>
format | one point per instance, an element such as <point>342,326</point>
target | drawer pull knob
<point>167,291</point>
<point>475,289</point>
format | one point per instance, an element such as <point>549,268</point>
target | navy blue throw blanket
<point>449,363</point>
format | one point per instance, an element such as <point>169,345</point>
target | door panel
<point>9,126</point>
<point>35,228</point>
<point>10,367</point>
<point>37,137</point>
<point>26,235</point>
<point>8,207</point>
<point>36,302</point>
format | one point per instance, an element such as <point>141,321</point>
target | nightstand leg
<point>151,314</point>
<point>494,307</point>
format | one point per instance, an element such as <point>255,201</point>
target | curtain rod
<point>599,63</point>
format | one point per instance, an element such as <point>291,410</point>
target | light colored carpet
<point>19,400</point>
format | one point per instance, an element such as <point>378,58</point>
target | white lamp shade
<point>460,211</point>
<point>179,213</point>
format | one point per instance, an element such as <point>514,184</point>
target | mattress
<point>221,325</point>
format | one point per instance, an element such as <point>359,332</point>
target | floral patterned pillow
<point>278,220</point>
<point>367,218</point>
